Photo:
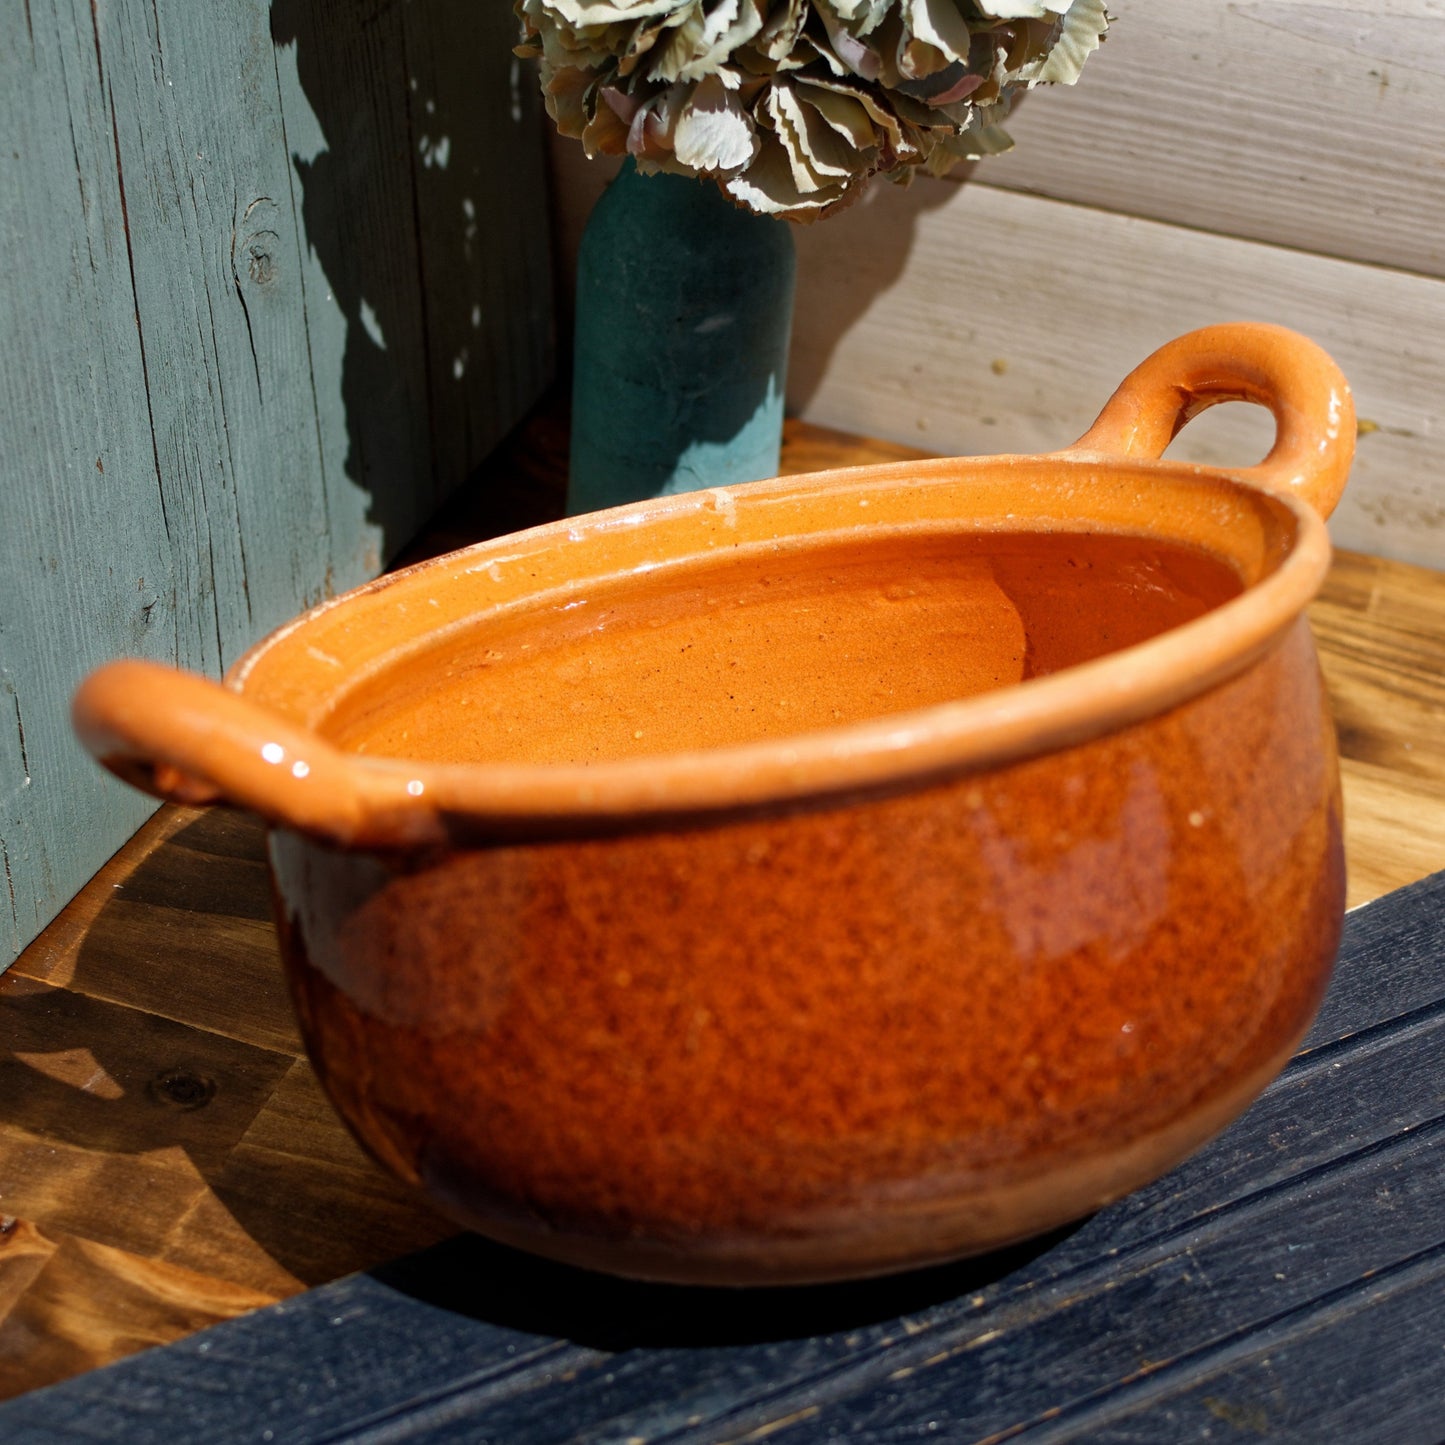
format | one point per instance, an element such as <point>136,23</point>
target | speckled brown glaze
<point>695,1053</point>
<point>960,960</point>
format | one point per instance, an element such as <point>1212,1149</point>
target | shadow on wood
<point>225,1159</point>
<point>489,1283</point>
<point>877,234</point>
<point>417,161</point>
<point>221,1153</point>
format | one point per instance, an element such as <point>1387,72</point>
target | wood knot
<point>181,1089</point>
<point>260,251</point>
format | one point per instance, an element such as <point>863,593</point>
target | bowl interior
<point>768,641</point>
<point>799,637</point>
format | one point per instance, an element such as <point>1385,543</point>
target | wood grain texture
<point>996,311</point>
<point>1309,124</point>
<point>1312,124</point>
<point>1378,624</point>
<point>1011,318</point>
<point>250,244</point>
<point>1284,1283</point>
<point>160,987</point>
<point>89,1304</point>
<point>162,1127</point>
<point>80,482</point>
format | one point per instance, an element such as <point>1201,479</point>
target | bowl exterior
<point>847,1038</point>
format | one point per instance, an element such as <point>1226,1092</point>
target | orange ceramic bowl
<point>820,877</point>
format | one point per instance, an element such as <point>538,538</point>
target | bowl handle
<point>1241,361</point>
<point>189,740</point>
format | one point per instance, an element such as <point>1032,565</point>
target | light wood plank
<point>975,320</point>
<point>1394,831</point>
<point>1378,625</point>
<point>156,1205</point>
<point>91,1304</point>
<point>1315,124</point>
<point>23,1253</point>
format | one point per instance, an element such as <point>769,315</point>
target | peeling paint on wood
<point>237,285</point>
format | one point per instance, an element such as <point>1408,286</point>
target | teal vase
<point>684,312</point>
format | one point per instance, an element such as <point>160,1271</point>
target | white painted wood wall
<point>1271,160</point>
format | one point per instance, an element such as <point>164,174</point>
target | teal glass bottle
<point>684,312</point>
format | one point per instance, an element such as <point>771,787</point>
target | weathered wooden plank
<point>200,149</point>
<point>1314,124</point>
<point>1389,968</point>
<point>79,503</point>
<point>236,273</point>
<point>1335,1323</point>
<point>1313,1376</point>
<point>964,318</point>
<point>481,215</point>
<point>90,1303</point>
<point>346,109</point>
<point>1062,1352</point>
<point>975,320</point>
<point>1280,1243</point>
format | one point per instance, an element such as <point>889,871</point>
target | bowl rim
<point>1029,718</point>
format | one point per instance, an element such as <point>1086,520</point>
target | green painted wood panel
<point>277,279</point>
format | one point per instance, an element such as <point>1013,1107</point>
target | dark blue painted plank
<point>1362,1367</point>
<point>1246,1289</point>
<point>1187,1306</point>
<point>1390,963</point>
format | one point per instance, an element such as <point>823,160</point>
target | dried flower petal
<point>791,106</point>
<point>713,132</point>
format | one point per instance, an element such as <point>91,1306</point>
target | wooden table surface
<point>167,1160</point>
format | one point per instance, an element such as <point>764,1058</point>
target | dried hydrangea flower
<point>792,105</point>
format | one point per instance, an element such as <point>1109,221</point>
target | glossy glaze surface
<point>705,984</point>
<point>844,1039</point>
<point>741,647</point>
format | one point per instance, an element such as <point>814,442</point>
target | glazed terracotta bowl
<point>816,878</point>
